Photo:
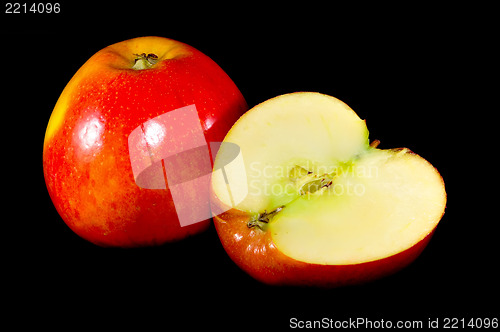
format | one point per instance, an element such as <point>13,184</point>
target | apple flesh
<point>313,203</point>
<point>117,95</point>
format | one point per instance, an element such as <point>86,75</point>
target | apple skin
<point>255,253</point>
<point>86,161</point>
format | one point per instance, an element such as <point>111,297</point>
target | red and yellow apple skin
<point>86,160</point>
<point>255,253</point>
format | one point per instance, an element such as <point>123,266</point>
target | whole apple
<point>126,154</point>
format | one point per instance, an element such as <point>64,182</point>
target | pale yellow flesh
<point>279,134</point>
<point>380,202</point>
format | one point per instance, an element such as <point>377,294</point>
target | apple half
<point>307,200</point>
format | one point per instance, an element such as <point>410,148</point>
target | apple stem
<point>375,143</point>
<point>144,61</point>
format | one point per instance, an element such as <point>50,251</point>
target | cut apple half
<point>310,195</point>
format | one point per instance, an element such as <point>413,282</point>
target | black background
<point>411,72</point>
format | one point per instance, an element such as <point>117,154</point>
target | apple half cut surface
<point>300,197</point>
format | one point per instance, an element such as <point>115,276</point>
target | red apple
<point>306,200</point>
<point>132,125</point>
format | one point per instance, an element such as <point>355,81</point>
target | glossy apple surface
<point>87,161</point>
<point>308,201</point>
